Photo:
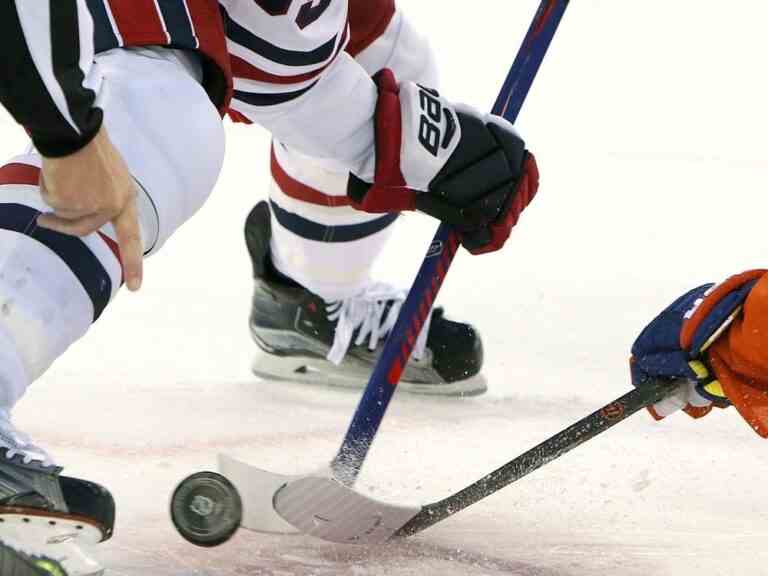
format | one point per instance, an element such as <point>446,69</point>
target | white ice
<point>648,121</point>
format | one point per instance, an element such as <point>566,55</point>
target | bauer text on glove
<point>467,169</point>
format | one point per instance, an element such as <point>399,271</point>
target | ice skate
<point>46,515</point>
<point>306,339</point>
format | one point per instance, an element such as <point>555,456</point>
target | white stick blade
<point>257,489</point>
<point>326,509</point>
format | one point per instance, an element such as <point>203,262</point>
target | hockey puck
<point>206,509</point>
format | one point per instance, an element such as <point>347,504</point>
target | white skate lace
<point>19,444</point>
<point>372,314</point>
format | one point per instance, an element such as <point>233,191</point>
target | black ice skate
<point>306,339</point>
<point>47,515</point>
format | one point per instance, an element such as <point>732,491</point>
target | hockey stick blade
<point>325,508</point>
<point>317,505</point>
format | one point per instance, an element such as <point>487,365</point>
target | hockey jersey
<point>182,24</point>
<point>294,73</point>
<point>739,358</point>
<point>48,49</point>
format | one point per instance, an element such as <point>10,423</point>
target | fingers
<point>131,248</point>
<point>88,189</point>
<point>127,230</point>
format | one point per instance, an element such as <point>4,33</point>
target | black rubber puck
<point>206,509</point>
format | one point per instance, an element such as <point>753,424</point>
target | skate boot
<point>306,339</point>
<point>46,515</point>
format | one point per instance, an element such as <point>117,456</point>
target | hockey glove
<point>464,168</point>
<point>674,346</point>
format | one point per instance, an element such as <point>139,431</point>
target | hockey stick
<point>339,514</point>
<point>413,314</point>
<point>257,487</point>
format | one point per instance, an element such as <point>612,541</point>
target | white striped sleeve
<point>47,48</point>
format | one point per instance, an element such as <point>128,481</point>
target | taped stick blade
<point>324,508</point>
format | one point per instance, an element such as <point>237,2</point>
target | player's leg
<point>53,287</point>
<point>317,316</point>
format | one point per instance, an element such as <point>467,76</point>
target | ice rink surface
<point>648,121</point>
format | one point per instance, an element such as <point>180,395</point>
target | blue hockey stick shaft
<point>397,350</point>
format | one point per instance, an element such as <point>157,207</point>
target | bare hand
<point>88,189</point>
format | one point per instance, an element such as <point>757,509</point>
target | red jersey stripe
<point>112,245</point>
<point>138,21</point>
<point>243,69</point>
<point>19,174</point>
<point>300,191</point>
<point>368,20</point>
<point>209,29</point>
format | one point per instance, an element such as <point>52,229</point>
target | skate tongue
<point>348,315</point>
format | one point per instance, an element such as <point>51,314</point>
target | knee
<point>170,135</point>
<point>204,158</point>
<point>44,305</point>
<point>52,286</point>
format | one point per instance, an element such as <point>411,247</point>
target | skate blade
<point>257,488</point>
<point>320,372</point>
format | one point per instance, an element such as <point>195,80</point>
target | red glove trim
<point>697,412</point>
<point>389,192</point>
<point>525,192</point>
<point>656,416</point>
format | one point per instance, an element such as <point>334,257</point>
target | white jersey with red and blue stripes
<point>295,75</point>
<point>279,56</point>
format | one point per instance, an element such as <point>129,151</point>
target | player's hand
<point>674,346</point>
<point>90,188</point>
<point>462,167</point>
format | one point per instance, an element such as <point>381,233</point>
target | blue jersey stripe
<point>104,35</point>
<point>73,251</point>
<point>310,230</point>
<point>262,99</point>
<point>178,24</point>
<point>247,39</point>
